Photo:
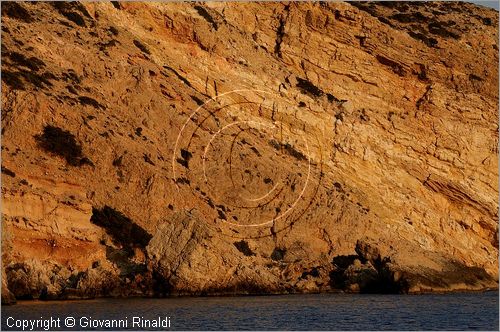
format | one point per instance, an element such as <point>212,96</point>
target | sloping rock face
<point>213,148</point>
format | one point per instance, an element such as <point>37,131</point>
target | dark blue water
<point>463,311</point>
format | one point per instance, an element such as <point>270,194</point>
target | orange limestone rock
<point>240,148</point>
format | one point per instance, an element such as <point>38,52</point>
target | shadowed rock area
<point>157,149</point>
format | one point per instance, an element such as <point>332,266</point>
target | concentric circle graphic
<point>247,159</point>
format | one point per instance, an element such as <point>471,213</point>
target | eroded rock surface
<point>208,148</point>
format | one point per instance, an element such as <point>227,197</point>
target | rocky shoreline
<point>148,272</point>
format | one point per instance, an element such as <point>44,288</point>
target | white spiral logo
<point>235,166</point>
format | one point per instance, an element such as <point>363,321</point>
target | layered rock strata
<point>154,149</point>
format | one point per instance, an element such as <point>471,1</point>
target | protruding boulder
<point>367,252</point>
<point>192,257</point>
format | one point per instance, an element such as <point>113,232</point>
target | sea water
<point>455,311</point>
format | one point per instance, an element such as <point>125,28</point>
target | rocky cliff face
<point>210,148</point>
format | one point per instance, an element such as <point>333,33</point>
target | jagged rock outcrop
<point>221,266</point>
<point>207,148</point>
